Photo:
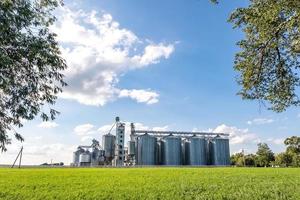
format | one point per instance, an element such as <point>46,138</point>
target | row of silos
<point>84,157</point>
<point>173,150</point>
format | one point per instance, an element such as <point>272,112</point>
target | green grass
<point>150,183</point>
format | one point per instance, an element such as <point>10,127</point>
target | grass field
<point>150,183</point>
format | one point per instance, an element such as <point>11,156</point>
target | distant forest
<point>264,156</point>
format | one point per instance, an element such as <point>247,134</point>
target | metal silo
<point>219,151</point>
<point>85,158</point>
<point>146,150</point>
<point>198,151</point>
<point>131,147</point>
<point>108,144</point>
<point>172,154</point>
<point>76,155</point>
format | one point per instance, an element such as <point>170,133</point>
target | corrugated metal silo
<point>172,154</point>
<point>85,158</point>
<point>131,147</point>
<point>198,151</point>
<point>108,143</point>
<point>146,150</point>
<point>76,155</point>
<point>219,151</point>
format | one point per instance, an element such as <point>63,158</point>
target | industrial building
<point>148,147</point>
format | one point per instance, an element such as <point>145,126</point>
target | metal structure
<point>108,144</point>
<point>146,150</point>
<point>197,151</point>
<point>171,151</point>
<point>219,151</point>
<point>148,147</point>
<point>120,140</point>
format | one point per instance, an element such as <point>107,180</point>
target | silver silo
<point>85,158</point>
<point>108,144</point>
<point>172,154</point>
<point>146,150</point>
<point>219,151</point>
<point>131,147</point>
<point>198,151</point>
<point>76,155</point>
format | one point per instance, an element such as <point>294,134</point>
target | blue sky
<point>166,65</point>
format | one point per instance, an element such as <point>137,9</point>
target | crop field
<point>149,183</point>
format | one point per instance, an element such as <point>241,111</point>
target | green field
<point>150,183</point>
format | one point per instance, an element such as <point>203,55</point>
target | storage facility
<point>148,147</point>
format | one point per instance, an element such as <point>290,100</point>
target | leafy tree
<point>264,155</point>
<point>30,64</point>
<point>293,144</point>
<point>268,63</point>
<point>296,160</point>
<point>250,160</point>
<point>284,159</point>
<point>234,158</point>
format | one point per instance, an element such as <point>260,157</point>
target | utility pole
<point>19,155</point>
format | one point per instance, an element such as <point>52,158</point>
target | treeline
<point>265,157</point>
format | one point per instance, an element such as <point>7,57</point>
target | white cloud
<point>98,51</point>
<point>236,135</point>
<point>48,124</point>
<point>141,96</point>
<point>277,141</point>
<point>260,121</point>
<point>84,129</point>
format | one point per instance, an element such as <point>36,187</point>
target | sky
<point>164,65</point>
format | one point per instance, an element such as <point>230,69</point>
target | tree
<point>293,144</point>
<point>268,63</point>
<point>30,64</point>
<point>284,159</point>
<point>250,160</point>
<point>264,155</point>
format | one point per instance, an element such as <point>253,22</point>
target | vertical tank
<point>131,147</point>
<point>146,150</point>
<point>198,151</point>
<point>219,151</point>
<point>85,158</point>
<point>172,154</point>
<point>76,155</point>
<point>108,143</point>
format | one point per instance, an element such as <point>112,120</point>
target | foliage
<point>150,183</point>
<point>268,63</point>
<point>264,155</point>
<point>30,64</point>
<point>283,159</point>
<point>293,144</point>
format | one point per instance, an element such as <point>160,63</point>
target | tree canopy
<point>30,64</point>
<point>268,62</point>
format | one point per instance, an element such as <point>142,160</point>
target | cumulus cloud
<point>141,96</point>
<point>260,121</point>
<point>277,141</point>
<point>98,51</point>
<point>236,135</point>
<point>84,129</point>
<point>48,124</point>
